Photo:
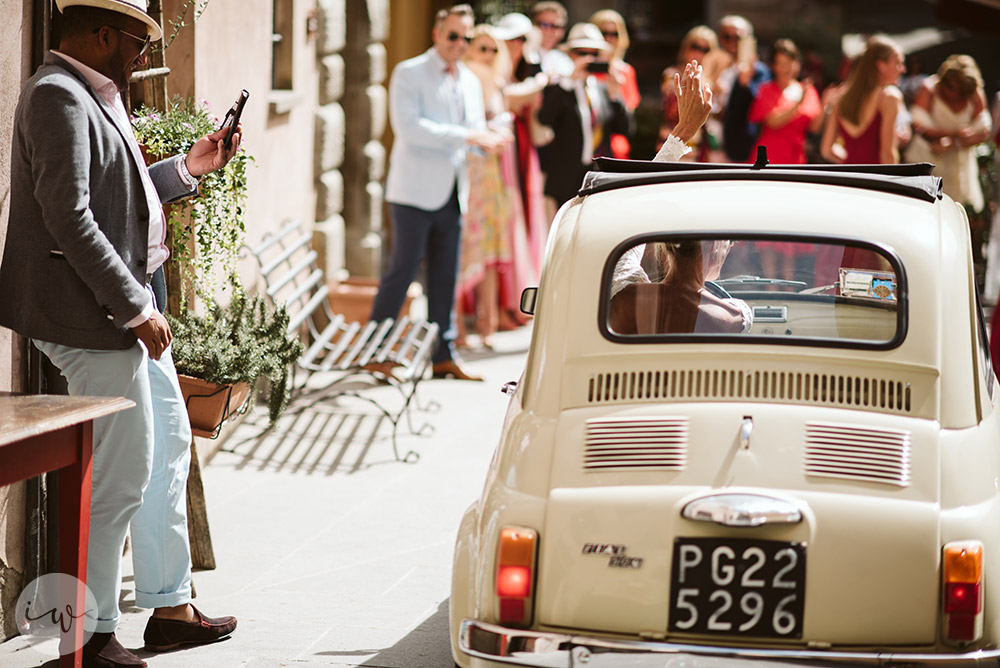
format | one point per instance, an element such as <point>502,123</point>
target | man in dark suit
<point>85,234</point>
<point>583,114</point>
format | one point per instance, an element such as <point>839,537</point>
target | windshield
<point>762,289</point>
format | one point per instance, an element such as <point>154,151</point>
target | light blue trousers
<point>140,468</point>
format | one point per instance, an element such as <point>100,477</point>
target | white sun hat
<point>512,26</point>
<point>134,8</point>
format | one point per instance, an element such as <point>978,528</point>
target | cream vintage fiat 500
<point>758,420</point>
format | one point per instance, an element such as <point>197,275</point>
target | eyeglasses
<point>145,40</point>
<point>544,25</point>
<point>583,53</point>
<point>610,34</point>
<point>454,37</point>
<point>488,49</point>
<point>700,48</point>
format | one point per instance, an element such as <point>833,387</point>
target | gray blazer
<point>74,262</point>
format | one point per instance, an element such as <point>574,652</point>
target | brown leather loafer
<point>163,634</point>
<point>104,651</point>
<point>452,369</point>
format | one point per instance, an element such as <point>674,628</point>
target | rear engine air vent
<point>828,389</point>
<point>655,443</point>
<point>858,453</point>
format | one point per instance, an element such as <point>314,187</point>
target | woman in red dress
<point>785,108</point>
<point>862,129</point>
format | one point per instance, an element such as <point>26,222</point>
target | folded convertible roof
<point>908,180</point>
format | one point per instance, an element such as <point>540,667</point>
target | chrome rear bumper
<point>535,649</point>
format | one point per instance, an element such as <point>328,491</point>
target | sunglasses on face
<point>145,41</point>
<point>551,26</point>
<point>454,37</point>
<point>585,53</point>
<point>729,36</point>
<point>700,48</point>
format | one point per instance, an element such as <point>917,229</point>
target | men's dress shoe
<point>163,634</point>
<point>381,371</point>
<point>104,651</point>
<point>452,369</point>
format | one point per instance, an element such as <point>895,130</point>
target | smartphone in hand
<point>598,67</point>
<point>232,119</point>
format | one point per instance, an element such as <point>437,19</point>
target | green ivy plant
<point>240,343</point>
<point>213,224</point>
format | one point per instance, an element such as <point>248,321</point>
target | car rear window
<point>768,289</point>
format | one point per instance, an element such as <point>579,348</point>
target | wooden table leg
<point>74,528</point>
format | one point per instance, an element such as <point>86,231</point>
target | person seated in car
<point>676,299</point>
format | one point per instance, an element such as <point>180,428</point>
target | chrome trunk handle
<point>741,510</point>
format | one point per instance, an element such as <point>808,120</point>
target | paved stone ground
<point>329,551</point>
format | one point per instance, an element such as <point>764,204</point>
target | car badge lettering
<point>617,554</point>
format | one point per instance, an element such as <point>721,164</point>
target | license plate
<point>737,586</point>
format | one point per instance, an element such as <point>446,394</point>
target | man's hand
<point>694,101</point>
<point>155,334</point>
<point>209,154</point>
<point>489,140</point>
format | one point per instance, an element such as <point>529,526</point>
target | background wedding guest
<point>522,93</point>
<point>612,27</point>
<point>437,115</point>
<point>694,46</point>
<point>582,113</point>
<point>950,118</point>
<point>736,86</point>
<point>550,17</point>
<point>785,108</point>
<point>494,213</point>
<point>862,126</point>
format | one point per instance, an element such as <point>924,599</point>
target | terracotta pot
<point>353,298</point>
<point>210,405</point>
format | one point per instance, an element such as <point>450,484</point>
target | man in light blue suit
<point>437,114</point>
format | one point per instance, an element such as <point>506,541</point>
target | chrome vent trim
<point>850,452</point>
<point>827,389</point>
<point>636,444</point>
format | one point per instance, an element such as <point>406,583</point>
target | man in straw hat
<point>85,235</point>
<point>583,114</point>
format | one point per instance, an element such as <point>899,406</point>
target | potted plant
<point>222,354</point>
<point>206,232</point>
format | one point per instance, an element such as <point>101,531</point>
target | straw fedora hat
<point>134,8</point>
<point>585,36</point>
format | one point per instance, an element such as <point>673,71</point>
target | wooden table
<point>41,433</point>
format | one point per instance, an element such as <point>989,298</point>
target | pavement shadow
<point>324,435</point>
<point>427,646</point>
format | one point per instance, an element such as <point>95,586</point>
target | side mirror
<point>528,297</point>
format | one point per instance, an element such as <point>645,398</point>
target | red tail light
<point>962,592</point>
<point>515,576</point>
